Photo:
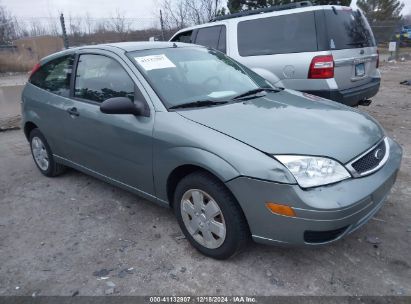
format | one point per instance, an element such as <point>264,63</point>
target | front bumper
<point>323,214</point>
<point>352,96</point>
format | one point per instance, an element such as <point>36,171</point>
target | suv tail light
<point>321,67</point>
<point>378,59</point>
<point>35,69</point>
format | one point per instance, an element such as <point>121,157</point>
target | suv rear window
<point>348,29</point>
<point>291,33</point>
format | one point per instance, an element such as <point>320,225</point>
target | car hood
<point>290,122</point>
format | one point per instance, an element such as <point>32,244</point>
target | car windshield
<point>181,75</point>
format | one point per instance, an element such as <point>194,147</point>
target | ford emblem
<point>379,154</point>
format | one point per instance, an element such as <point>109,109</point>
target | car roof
<point>139,45</point>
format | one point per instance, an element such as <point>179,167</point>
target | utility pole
<point>63,29</point>
<point>162,26</point>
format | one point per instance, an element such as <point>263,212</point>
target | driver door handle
<point>73,111</point>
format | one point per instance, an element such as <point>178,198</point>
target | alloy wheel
<point>40,153</point>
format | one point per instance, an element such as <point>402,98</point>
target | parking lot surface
<point>76,235</point>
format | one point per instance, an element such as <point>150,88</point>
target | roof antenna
<point>174,45</point>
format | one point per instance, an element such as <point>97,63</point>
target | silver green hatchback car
<point>190,128</point>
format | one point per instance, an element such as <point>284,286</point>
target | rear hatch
<point>352,44</point>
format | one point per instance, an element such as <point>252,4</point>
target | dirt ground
<point>77,235</point>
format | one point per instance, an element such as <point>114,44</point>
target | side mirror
<point>123,105</point>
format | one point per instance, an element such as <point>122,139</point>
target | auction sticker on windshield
<point>154,62</point>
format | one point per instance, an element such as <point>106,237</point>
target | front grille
<point>371,160</point>
<point>311,236</point>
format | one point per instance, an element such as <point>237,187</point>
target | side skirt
<point>111,181</point>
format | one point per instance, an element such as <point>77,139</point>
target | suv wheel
<point>209,216</point>
<point>42,155</point>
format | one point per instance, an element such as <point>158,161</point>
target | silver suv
<point>328,51</point>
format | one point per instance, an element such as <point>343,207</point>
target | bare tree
<point>8,25</point>
<point>174,13</point>
<point>204,9</point>
<point>20,29</point>
<point>120,24</point>
<point>36,28</point>
<point>181,13</point>
<point>89,23</point>
<point>53,26</point>
<point>74,25</point>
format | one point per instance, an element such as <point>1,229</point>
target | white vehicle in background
<point>328,51</point>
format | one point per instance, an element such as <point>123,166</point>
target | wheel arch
<point>178,174</point>
<point>171,165</point>
<point>28,127</point>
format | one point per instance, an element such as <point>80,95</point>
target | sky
<point>96,8</point>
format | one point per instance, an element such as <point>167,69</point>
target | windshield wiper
<point>198,103</point>
<point>256,91</point>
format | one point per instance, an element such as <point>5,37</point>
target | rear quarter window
<point>291,33</point>
<point>54,76</point>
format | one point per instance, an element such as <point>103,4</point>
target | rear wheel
<point>209,216</point>
<point>42,155</point>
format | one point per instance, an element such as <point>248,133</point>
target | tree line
<point>176,14</point>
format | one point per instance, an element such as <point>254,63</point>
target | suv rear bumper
<point>352,96</point>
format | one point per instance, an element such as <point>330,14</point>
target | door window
<point>210,36</point>
<point>54,76</point>
<point>99,78</point>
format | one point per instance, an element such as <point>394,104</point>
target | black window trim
<point>74,75</point>
<point>223,26</point>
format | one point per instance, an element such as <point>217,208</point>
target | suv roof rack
<point>264,10</point>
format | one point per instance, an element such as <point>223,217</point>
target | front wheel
<point>209,216</point>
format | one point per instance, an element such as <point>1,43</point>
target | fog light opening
<point>280,209</point>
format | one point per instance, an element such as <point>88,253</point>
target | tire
<point>197,224</point>
<point>40,150</point>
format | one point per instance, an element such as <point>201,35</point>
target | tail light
<point>378,59</point>
<point>321,67</point>
<point>35,69</point>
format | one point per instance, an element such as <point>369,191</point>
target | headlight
<point>311,171</point>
